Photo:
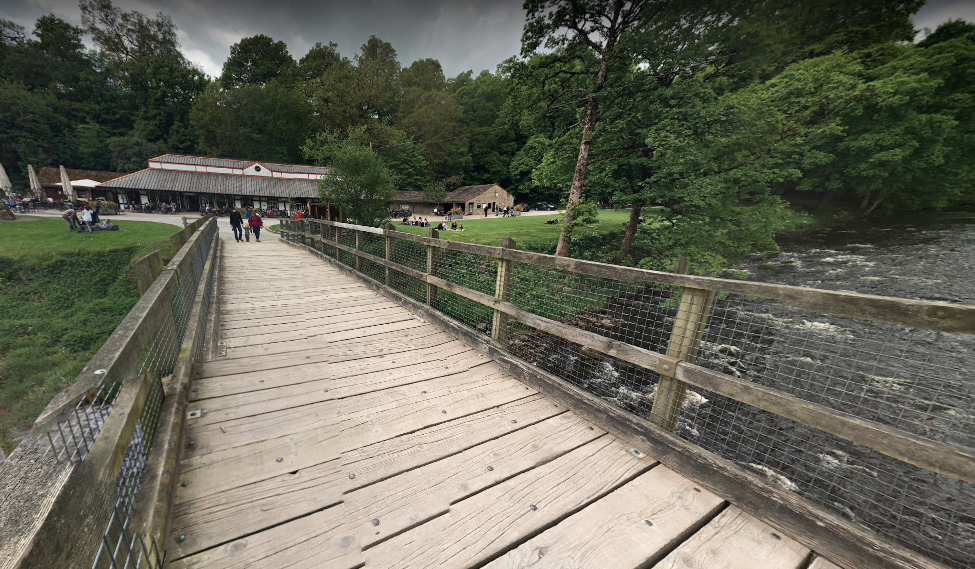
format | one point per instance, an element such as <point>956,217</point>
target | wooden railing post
<point>431,266</point>
<point>389,249</point>
<point>502,291</point>
<point>685,342</point>
<point>358,247</point>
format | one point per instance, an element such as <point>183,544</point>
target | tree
<point>583,37</point>
<point>318,61</point>
<point>253,122</point>
<point>255,61</point>
<point>405,162</point>
<point>142,56</point>
<point>358,181</point>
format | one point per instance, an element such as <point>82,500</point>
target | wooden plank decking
<point>341,431</point>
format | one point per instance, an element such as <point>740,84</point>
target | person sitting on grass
<point>460,227</point>
<point>453,226</point>
<point>406,221</point>
<point>552,221</point>
<point>104,226</point>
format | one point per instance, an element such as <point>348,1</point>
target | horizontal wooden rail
<point>929,315</point>
<point>956,462</point>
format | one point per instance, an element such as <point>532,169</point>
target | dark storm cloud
<point>462,35</point>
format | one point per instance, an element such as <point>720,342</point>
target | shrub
<point>457,211</point>
<point>519,208</point>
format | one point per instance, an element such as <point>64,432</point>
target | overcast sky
<point>461,34</point>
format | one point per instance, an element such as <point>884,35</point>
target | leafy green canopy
<point>358,181</point>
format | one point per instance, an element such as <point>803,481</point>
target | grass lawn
<point>48,237</point>
<point>62,294</point>
<point>525,230</point>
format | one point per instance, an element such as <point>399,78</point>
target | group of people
<point>243,224</point>
<point>417,221</point>
<point>442,226</point>
<point>88,222</point>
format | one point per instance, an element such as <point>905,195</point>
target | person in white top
<point>86,218</point>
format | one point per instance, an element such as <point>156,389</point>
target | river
<point>915,380</point>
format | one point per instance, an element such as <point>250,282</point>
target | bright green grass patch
<point>47,237</point>
<point>62,295</point>
<point>528,231</point>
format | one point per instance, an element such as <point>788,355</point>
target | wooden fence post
<point>358,247</point>
<point>685,342</point>
<point>502,291</point>
<point>431,266</point>
<point>389,249</point>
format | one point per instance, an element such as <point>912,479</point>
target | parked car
<point>545,206</point>
<point>401,213</point>
<point>524,207</point>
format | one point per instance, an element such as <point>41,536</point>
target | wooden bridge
<point>329,421</point>
<point>342,430</point>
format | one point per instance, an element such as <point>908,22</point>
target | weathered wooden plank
<point>393,342</point>
<point>397,410</point>
<point>490,522</point>
<point>377,310</point>
<point>822,563</point>
<point>312,541</point>
<point>297,318</point>
<point>416,496</point>
<point>633,527</point>
<point>393,456</point>
<point>736,540</point>
<point>320,341</point>
<point>292,391</point>
<point>221,470</point>
<point>228,515</point>
<point>258,337</point>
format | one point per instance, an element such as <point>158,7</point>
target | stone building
<point>471,199</point>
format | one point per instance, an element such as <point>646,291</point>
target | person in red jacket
<point>256,223</point>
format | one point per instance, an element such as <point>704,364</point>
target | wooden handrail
<point>929,315</point>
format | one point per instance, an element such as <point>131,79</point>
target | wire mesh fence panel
<point>118,548</point>
<point>347,237</point>
<point>926,512</point>
<point>407,285</point>
<point>916,380</point>
<point>472,314</point>
<point>373,243</point>
<point>469,270</point>
<point>410,254</point>
<point>623,384</point>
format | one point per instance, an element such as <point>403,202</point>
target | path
<point>339,430</point>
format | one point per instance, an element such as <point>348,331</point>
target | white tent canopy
<point>5,187</point>
<point>86,183</point>
<point>66,185</point>
<point>35,184</point>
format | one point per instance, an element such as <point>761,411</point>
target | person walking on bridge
<point>236,223</point>
<point>256,223</point>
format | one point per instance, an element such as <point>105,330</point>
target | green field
<point>62,295</point>
<point>525,230</point>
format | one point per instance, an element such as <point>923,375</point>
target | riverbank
<point>63,294</point>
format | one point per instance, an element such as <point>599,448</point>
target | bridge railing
<point>862,405</point>
<point>77,482</point>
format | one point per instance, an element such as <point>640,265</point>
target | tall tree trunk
<point>582,162</point>
<point>579,178</point>
<point>631,228</point>
<point>880,199</point>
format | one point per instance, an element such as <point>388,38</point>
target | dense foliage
<point>720,111</point>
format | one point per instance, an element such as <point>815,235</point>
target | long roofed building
<point>194,182</point>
